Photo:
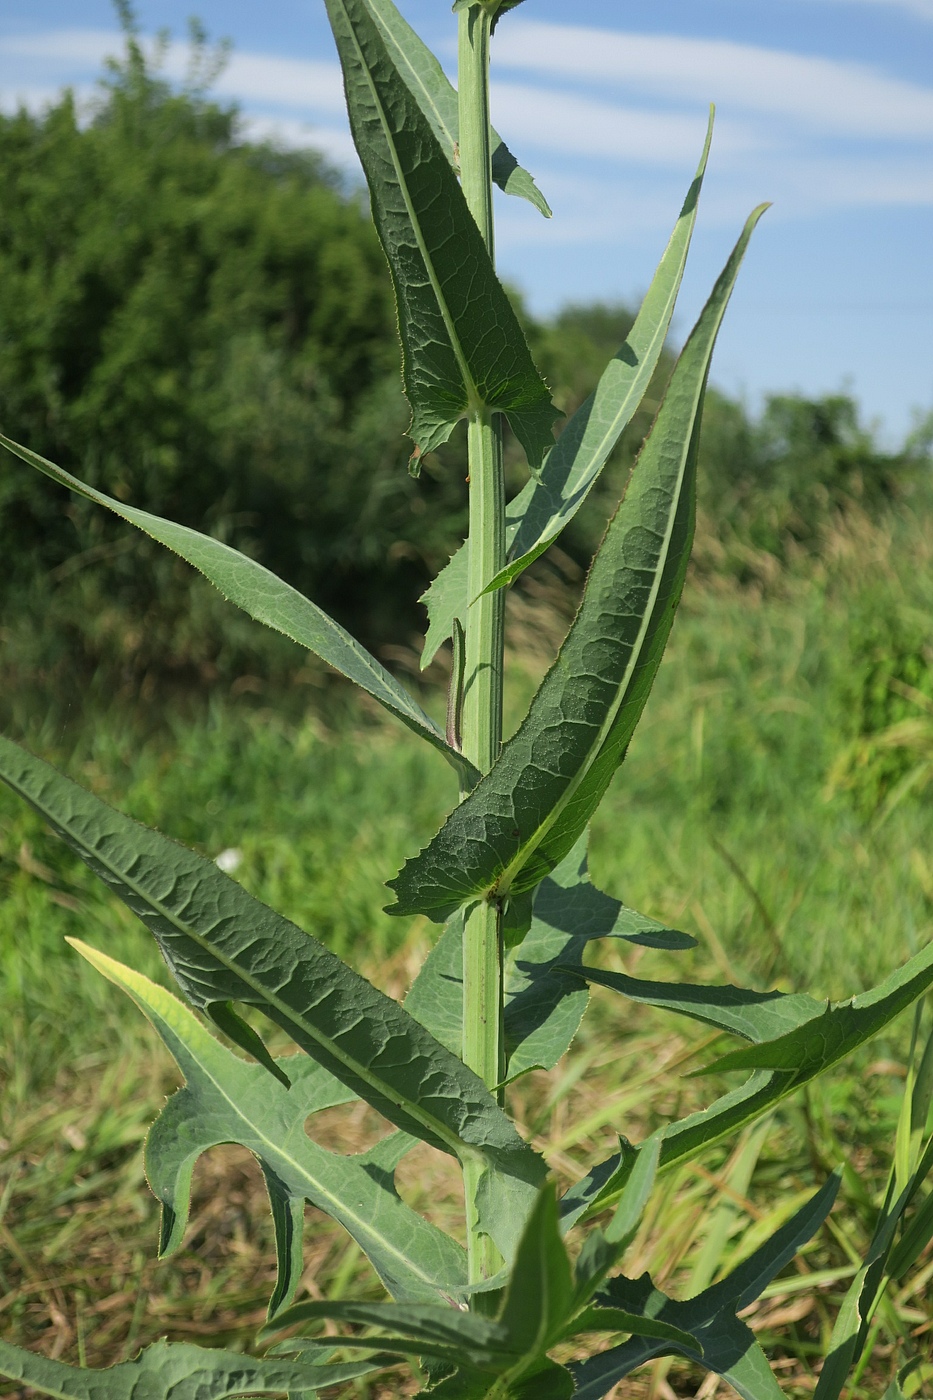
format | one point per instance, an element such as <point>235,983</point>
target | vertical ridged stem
<point>482,696</point>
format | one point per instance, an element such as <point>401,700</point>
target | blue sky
<point>825,107</point>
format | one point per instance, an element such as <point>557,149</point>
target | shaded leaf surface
<point>174,1371</point>
<point>526,814</point>
<point>544,999</point>
<point>821,1040</point>
<point>463,348</point>
<point>270,601</point>
<point>723,1343</point>
<point>756,1016</point>
<point>226,1099</point>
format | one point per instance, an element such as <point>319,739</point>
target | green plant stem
<point>483,673</point>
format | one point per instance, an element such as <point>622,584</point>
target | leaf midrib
<point>520,860</point>
<point>274,1149</point>
<point>393,696</point>
<point>456,1144</point>
<point>428,101</point>
<point>475,402</point>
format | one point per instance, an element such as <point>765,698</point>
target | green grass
<point>720,821</point>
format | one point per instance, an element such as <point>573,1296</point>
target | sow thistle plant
<point>539,1278</point>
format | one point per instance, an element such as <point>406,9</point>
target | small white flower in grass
<point>229,860</point>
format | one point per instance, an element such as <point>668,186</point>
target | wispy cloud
<point>267,79</point>
<point>846,98</point>
<point>920,9</point>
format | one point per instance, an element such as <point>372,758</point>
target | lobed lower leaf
<point>177,1371</point>
<point>226,1099</point>
<point>722,1343</point>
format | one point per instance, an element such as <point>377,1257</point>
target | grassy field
<point>740,815</point>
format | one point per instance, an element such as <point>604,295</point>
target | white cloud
<point>279,82</point>
<point>846,98</point>
<point>75,47</point>
<point>574,125</point>
<point>248,77</point>
<point>333,143</point>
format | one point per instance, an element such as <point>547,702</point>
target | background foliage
<point>204,327</point>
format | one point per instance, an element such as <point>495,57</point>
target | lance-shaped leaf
<point>822,1040</point>
<point>226,1099</point>
<point>526,814</point>
<point>223,945</point>
<point>544,1001</point>
<point>540,1308</point>
<point>176,1371</point>
<point>722,1343</point>
<point>841,1033</point>
<point>445,1333</point>
<point>463,349</point>
<point>270,601</point>
<point>547,504</point>
<point>437,98</point>
<point>755,1016</point>
<point>540,1298</point>
<point>602,1249</point>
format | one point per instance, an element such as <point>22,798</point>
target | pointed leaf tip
<point>463,346</point>
<point>525,815</point>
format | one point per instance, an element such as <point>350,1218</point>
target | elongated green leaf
<point>445,1333</point>
<point>437,98</point>
<point>756,1016</point>
<point>584,447</point>
<point>539,1298</point>
<point>546,505</point>
<point>270,601</point>
<point>821,1041</point>
<point>229,1100</point>
<point>602,1249</point>
<point>463,348</point>
<point>722,1343</point>
<point>223,945</point>
<point>765,1088</point>
<point>176,1371</point>
<point>526,814</point>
